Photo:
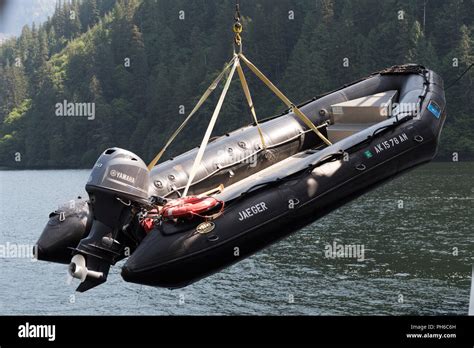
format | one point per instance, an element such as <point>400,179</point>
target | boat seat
<point>338,132</point>
<point>350,117</point>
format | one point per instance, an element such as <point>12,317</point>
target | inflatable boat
<point>245,196</point>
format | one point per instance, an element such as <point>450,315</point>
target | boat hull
<point>175,255</point>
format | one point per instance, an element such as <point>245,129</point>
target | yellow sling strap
<point>245,87</point>
<point>210,127</point>
<point>206,94</point>
<point>283,98</point>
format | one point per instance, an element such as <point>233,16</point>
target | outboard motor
<point>118,182</point>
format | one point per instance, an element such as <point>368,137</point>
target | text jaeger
<point>253,210</point>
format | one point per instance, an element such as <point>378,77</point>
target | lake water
<point>416,232</point>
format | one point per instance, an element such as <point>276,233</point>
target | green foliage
<point>140,64</point>
<point>17,113</point>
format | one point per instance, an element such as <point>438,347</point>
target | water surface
<point>416,232</point>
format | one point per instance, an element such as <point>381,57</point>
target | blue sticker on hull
<point>434,109</point>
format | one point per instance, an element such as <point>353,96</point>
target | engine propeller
<point>77,269</point>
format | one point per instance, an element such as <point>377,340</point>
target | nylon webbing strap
<point>210,127</point>
<point>284,99</point>
<point>204,97</point>
<point>245,87</point>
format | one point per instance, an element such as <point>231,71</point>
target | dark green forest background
<point>173,60</point>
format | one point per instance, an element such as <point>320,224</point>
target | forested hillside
<point>142,63</point>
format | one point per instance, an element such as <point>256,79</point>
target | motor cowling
<point>119,181</point>
<point>120,173</point>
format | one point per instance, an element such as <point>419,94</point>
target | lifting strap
<point>283,98</point>
<point>210,127</point>
<point>235,64</point>
<point>245,87</point>
<point>206,94</point>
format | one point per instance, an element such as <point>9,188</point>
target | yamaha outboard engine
<point>119,182</point>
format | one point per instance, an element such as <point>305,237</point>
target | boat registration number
<point>389,143</point>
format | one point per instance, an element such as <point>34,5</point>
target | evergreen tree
<point>140,62</point>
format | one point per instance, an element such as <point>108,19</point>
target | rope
<point>206,94</point>
<point>460,77</point>
<point>284,99</point>
<point>210,127</point>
